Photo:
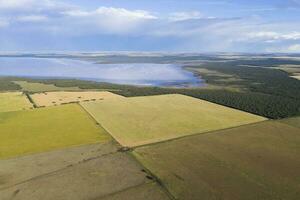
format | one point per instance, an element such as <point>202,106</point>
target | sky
<point>150,25</point>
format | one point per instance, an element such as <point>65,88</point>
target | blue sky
<point>144,25</point>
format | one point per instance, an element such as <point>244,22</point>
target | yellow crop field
<point>26,132</point>
<point>58,98</point>
<point>144,120</point>
<point>13,101</point>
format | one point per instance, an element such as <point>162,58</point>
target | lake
<point>132,74</point>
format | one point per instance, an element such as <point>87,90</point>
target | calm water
<point>132,74</point>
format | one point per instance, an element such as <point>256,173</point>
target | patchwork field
<point>58,98</point>
<point>101,174</point>
<point>40,87</point>
<point>13,101</point>
<point>144,120</point>
<point>294,121</point>
<point>26,132</point>
<point>257,161</point>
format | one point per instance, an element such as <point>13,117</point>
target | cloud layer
<point>229,26</point>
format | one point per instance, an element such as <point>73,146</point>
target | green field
<point>26,132</point>
<point>143,120</point>
<point>257,161</point>
<point>41,87</point>
<point>13,101</point>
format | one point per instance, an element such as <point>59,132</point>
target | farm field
<point>149,191</point>
<point>102,177</point>
<point>144,120</point>
<point>21,169</point>
<point>294,121</point>
<point>13,101</point>
<point>27,132</point>
<point>257,161</point>
<point>58,98</point>
<point>41,87</point>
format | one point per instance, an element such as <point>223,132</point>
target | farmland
<point>148,191</point>
<point>80,139</point>
<point>143,120</point>
<point>93,172</point>
<point>264,91</point>
<point>13,101</point>
<point>20,169</point>
<point>58,98</point>
<point>294,121</point>
<point>257,161</point>
<point>26,132</point>
<point>41,87</point>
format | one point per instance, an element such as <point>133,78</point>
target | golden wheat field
<point>58,98</point>
<point>13,101</point>
<point>143,120</point>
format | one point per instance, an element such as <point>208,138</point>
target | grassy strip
<point>30,99</point>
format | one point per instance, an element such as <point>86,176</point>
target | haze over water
<point>131,74</point>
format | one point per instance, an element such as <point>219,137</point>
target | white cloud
<point>111,20</point>
<point>3,23</point>
<point>77,13</point>
<point>12,4</point>
<point>27,5</point>
<point>33,6</point>
<point>294,48</point>
<point>181,16</point>
<point>190,29</point>
<point>273,36</point>
<point>32,18</point>
<point>198,28</point>
<point>112,12</point>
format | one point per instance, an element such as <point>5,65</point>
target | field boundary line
<point>99,124</point>
<point>30,100</point>
<point>197,134</point>
<point>59,170</point>
<point>53,150</point>
<point>157,180</point>
<point>124,190</point>
<point>131,148</point>
<point>227,106</point>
